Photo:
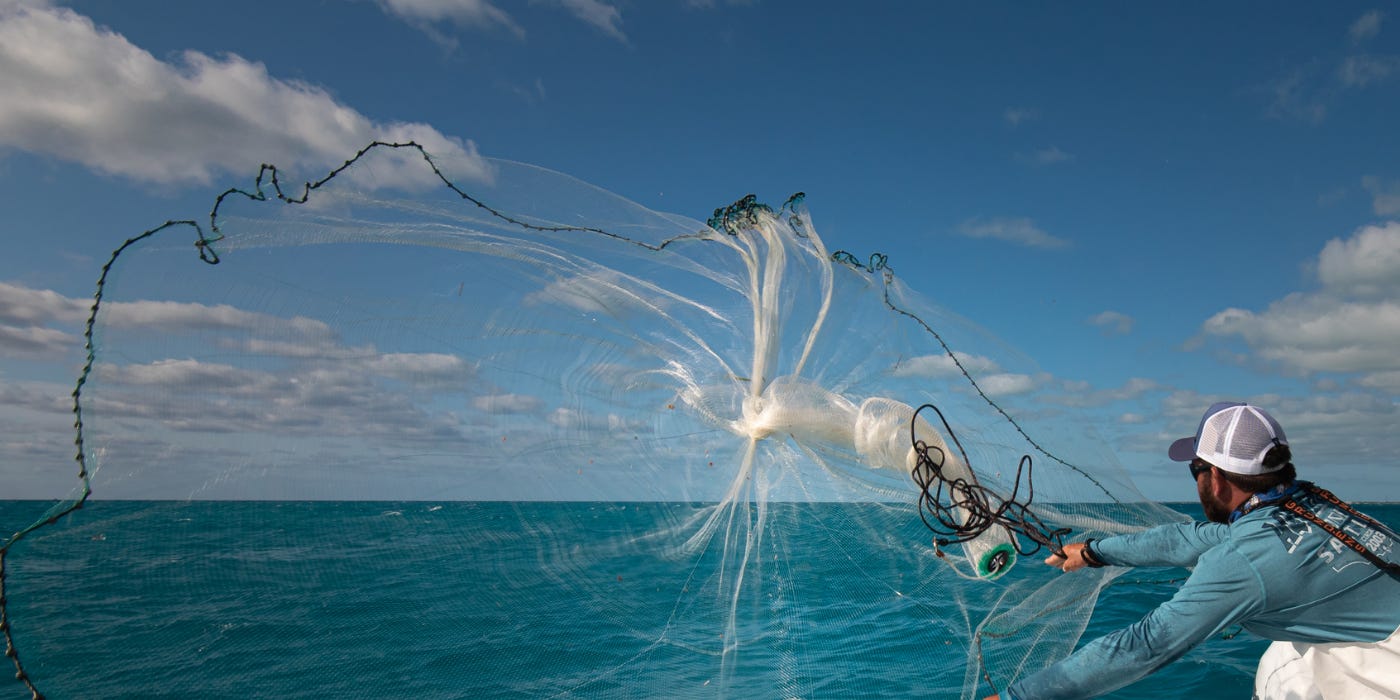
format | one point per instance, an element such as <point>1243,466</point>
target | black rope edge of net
<point>941,499</point>
<point>84,474</point>
<point>879,262</point>
<point>744,212</point>
<point>728,220</point>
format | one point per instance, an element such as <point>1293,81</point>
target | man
<point>1280,557</point>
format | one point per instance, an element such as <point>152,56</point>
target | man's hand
<point>1073,560</point>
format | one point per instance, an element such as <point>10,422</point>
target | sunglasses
<point>1198,467</point>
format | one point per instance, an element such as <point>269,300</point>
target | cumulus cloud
<point>1350,325</point>
<point>1112,322</point>
<point>1021,231</point>
<point>1367,263</point>
<point>167,315</point>
<point>425,370</point>
<point>1006,384</point>
<point>1388,381</point>
<point>943,365</point>
<point>36,341</point>
<point>25,305</point>
<point>38,397</point>
<point>183,372</point>
<point>990,376</point>
<point>27,316</point>
<point>508,403</point>
<point>85,94</point>
<point>1315,333</point>
<point>308,399</point>
<point>315,386</point>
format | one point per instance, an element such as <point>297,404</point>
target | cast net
<point>512,435</point>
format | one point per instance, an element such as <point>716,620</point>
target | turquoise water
<point>523,600</point>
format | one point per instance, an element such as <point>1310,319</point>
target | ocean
<point>490,600</point>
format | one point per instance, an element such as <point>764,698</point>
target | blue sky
<point>1163,205</point>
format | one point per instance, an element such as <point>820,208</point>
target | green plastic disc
<point>996,561</point>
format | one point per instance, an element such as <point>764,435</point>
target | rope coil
<point>959,509</point>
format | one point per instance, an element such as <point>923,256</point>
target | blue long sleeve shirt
<point>1271,571</point>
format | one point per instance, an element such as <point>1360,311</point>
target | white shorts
<point>1345,671</point>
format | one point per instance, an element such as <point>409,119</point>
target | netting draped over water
<point>525,437</point>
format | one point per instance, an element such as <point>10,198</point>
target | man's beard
<point>1216,511</point>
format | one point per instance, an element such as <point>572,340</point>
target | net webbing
<point>723,401</point>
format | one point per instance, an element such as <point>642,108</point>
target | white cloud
<point>1317,333</point>
<point>312,400</point>
<point>36,341</point>
<point>1006,384</point>
<point>38,397</point>
<point>466,13</point>
<point>425,14</point>
<point>1367,263</point>
<point>85,94</point>
<point>603,291</point>
<point>943,366</point>
<point>1385,195</point>
<point>25,318</point>
<point>321,348</point>
<point>1350,325</point>
<point>1015,230</point>
<point>435,370</point>
<point>188,372</point>
<point>601,15</point>
<point>24,305</point>
<point>1388,381</point>
<point>1113,322</point>
<point>508,403</point>
<point>1367,26</point>
<point>172,315</point>
<point>988,375</point>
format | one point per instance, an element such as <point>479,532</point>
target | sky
<point>1164,205</point>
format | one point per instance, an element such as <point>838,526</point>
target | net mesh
<point>517,436</point>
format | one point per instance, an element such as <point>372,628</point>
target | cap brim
<point>1183,450</point>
